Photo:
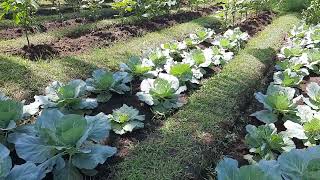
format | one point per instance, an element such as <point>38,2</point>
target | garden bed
<point>106,36</point>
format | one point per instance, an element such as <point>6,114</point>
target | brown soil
<point>35,52</point>
<point>79,43</point>
<point>106,36</point>
<point>12,33</point>
<point>253,24</point>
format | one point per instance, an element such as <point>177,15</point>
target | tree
<point>22,12</point>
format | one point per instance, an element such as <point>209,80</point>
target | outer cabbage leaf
<point>313,91</point>
<point>227,169</point>
<point>300,164</point>
<point>10,112</point>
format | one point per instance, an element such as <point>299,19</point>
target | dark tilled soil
<point>253,24</point>
<point>79,43</point>
<point>105,37</point>
<point>41,51</point>
<point>236,149</point>
<point>12,33</point>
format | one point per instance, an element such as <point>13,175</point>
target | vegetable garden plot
<point>285,144</point>
<point>95,38</point>
<point>165,74</point>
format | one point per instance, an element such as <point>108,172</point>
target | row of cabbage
<point>290,118</point>
<point>55,133</point>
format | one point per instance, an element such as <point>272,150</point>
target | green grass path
<point>194,137</point>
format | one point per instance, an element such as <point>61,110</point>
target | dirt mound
<point>35,52</point>
<point>256,23</point>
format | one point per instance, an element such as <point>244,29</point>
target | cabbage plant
<point>265,142</point>
<point>158,57</point>
<point>64,144</point>
<point>126,119</point>
<point>278,100</point>
<point>221,56</point>
<point>71,97</point>
<point>198,57</point>
<point>291,51</point>
<point>25,171</point>
<point>314,60</point>
<point>202,35</point>
<point>295,64</point>
<point>232,39</point>
<point>11,112</point>
<point>163,93</point>
<point>297,164</point>
<point>175,48</point>
<point>182,71</point>
<point>288,78</point>
<point>104,82</point>
<point>137,67</point>
<point>306,127</point>
<point>313,92</point>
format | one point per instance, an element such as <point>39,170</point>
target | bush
<point>294,5</point>
<point>312,13</point>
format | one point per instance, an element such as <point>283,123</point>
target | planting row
<point>59,132</point>
<point>290,120</point>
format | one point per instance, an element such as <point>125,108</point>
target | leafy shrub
<point>312,13</point>
<point>22,10</point>
<point>293,5</point>
<point>124,6</point>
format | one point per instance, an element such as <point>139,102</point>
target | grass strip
<point>22,78</point>
<point>195,137</point>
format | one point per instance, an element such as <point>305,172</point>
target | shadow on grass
<point>76,68</point>
<point>16,78</point>
<point>263,55</point>
<point>210,22</point>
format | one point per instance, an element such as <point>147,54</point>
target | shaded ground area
<point>202,131</point>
